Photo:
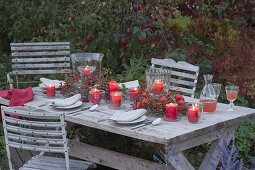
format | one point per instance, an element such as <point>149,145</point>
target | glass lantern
<point>157,80</point>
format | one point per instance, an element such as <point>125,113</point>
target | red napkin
<point>17,97</point>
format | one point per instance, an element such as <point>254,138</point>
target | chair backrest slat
<point>183,75</point>
<point>40,58</point>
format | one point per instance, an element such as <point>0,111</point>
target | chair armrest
<point>9,80</point>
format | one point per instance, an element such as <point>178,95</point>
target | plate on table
<point>140,119</point>
<point>77,104</point>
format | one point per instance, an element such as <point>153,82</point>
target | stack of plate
<point>67,103</point>
<point>130,117</point>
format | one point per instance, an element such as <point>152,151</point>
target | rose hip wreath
<point>155,104</point>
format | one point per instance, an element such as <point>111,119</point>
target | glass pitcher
<point>208,95</point>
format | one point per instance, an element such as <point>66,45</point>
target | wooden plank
<point>37,60</point>
<point>39,43</point>
<point>171,63</point>
<point>185,75</point>
<point>22,72</point>
<point>39,48</point>
<point>4,101</point>
<point>181,89</point>
<point>183,82</point>
<point>212,157</point>
<point>51,53</point>
<point>52,65</point>
<point>180,162</point>
<point>110,158</point>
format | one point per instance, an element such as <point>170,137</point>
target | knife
<point>141,125</point>
<point>75,111</point>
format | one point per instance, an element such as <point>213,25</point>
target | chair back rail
<point>183,75</point>
<point>42,58</point>
<point>36,131</point>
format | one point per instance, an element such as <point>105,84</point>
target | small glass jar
<point>134,93</point>
<point>116,99</point>
<point>96,95</point>
<point>171,112</point>
<point>194,112</point>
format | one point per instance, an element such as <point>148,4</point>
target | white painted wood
<point>32,60</point>
<point>110,158</point>
<point>55,65</point>
<point>46,58</point>
<point>183,75</point>
<point>4,101</point>
<point>31,72</point>
<point>25,134</point>
<point>36,48</point>
<point>40,43</point>
<point>47,53</point>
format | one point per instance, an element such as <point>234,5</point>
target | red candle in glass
<point>193,114</point>
<point>116,99</point>
<point>86,70</point>
<point>157,87</point>
<point>95,96</point>
<point>113,86</point>
<point>171,111</point>
<point>50,90</point>
<point>134,93</point>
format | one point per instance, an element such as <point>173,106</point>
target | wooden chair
<point>39,58</point>
<point>184,75</point>
<point>38,131</point>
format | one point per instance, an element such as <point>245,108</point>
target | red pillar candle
<point>157,87</point>
<point>116,99</point>
<point>193,114</point>
<point>134,93</point>
<point>95,96</point>
<point>50,90</point>
<point>171,112</point>
<point>86,70</point>
<point>113,86</point>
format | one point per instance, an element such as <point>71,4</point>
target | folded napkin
<point>130,84</point>
<point>128,116</point>
<point>56,83</point>
<point>66,102</point>
<point>17,97</point>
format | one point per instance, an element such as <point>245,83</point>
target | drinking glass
<point>231,92</point>
<point>217,88</point>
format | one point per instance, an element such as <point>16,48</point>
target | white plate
<point>128,116</point>
<point>140,119</point>
<point>77,104</point>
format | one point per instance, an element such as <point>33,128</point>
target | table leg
<point>214,154</point>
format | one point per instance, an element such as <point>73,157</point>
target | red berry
<point>141,40</point>
<point>181,102</point>
<point>138,105</point>
<point>82,44</point>
<point>145,101</point>
<point>178,97</point>
<point>90,38</point>
<point>156,38</point>
<point>123,41</point>
<point>144,94</point>
<point>163,100</point>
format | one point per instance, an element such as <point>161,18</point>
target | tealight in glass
<point>116,99</point>
<point>194,112</point>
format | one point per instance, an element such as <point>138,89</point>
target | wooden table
<point>177,136</point>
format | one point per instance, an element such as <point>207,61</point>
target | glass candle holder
<point>157,80</point>
<point>96,95</point>
<point>116,99</point>
<point>50,90</point>
<point>194,112</point>
<point>171,112</point>
<point>133,93</point>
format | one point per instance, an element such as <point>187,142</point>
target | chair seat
<point>52,163</point>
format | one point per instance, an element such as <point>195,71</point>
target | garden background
<point>217,35</point>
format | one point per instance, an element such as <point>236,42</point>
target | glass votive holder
<point>194,112</point>
<point>96,95</point>
<point>171,112</point>
<point>134,93</point>
<point>116,99</point>
<point>50,90</point>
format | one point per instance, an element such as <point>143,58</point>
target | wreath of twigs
<point>155,104</point>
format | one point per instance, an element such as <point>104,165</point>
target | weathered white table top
<point>165,133</point>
